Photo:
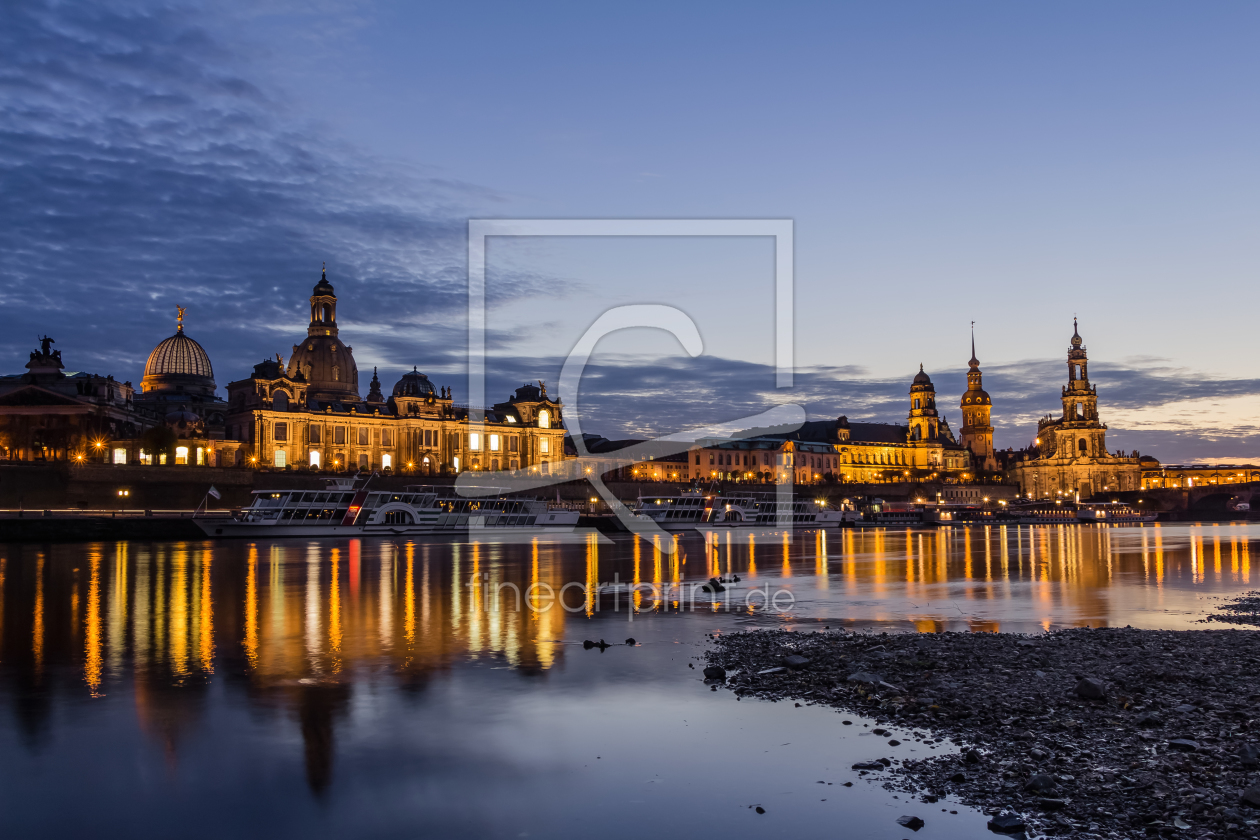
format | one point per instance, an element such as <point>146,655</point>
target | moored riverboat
<point>1113,513</point>
<point>347,507</point>
<point>692,509</point>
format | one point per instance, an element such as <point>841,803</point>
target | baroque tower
<point>977,432</point>
<point>923,417</point>
<point>1078,433</point>
<point>323,361</point>
<point>1071,450</point>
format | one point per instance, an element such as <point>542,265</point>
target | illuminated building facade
<point>309,413</point>
<point>1157,476</point>
<point>1070,455</point>
<point>831,451</point>
<point>47,414</point>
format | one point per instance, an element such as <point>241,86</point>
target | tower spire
<point>974,362</point>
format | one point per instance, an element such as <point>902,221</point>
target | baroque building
<point>178,392</point>
<point>1070,453</point>
<point>977,432</point>
<point>47,414</point>
<point>924,449</point>
<point>309,413</point>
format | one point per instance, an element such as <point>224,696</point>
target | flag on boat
<point>215,493</point>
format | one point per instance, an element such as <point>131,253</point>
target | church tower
<point>977,432</point>
<point>323,361</point>
<point>1079,434</point>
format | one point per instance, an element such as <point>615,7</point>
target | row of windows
<point>363,435</point>
<point>427,437</point>
<point>281,459</point>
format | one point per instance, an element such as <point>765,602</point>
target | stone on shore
<point>912,823</point>
<point>1091,688</point>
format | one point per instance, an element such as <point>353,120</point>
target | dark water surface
<point>368,689</point>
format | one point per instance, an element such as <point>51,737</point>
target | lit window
<point>120,456</point>
<point>181,455</point>
<point>455,461</point>
<point>386,460</point>
<point>201,457</point>
<point>494,443</point>
<point>546,446</point>
<point>314,458</point>
<point>474,441</point>
<point>544,419</point>
<point>280,459</point>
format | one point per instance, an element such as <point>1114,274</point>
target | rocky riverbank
<point>1242,610</point>
<point>1109,733</point>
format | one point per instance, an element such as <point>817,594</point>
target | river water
<point>400,689</point>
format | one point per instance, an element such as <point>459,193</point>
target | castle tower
<point>977,432</point>
<point>923,417</point>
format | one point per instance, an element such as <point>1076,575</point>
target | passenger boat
<point>692,509</point>
<point>1073,513</point>
<point>1113,513</point>
<point>347,508</point>
<point>881,514</point>
<point>1045,513</point>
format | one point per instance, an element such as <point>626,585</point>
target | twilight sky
<point>1005,163</point>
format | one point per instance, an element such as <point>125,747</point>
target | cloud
<point>138,170</point>
<point>1173,414</point>
<point>140,167</point>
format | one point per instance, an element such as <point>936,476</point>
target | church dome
<point>328,367</point>
<point>414,384</point>
<point>180,365</point>
<point>922,378</point>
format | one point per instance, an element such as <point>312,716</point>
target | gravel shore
<point>1108,733</point>
<point>1242,610</point>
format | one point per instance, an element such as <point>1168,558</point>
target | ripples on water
<point>384,689</point>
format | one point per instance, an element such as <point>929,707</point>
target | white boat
<point>347,508</point>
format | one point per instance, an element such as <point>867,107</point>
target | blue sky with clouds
<point>1009,164</point>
